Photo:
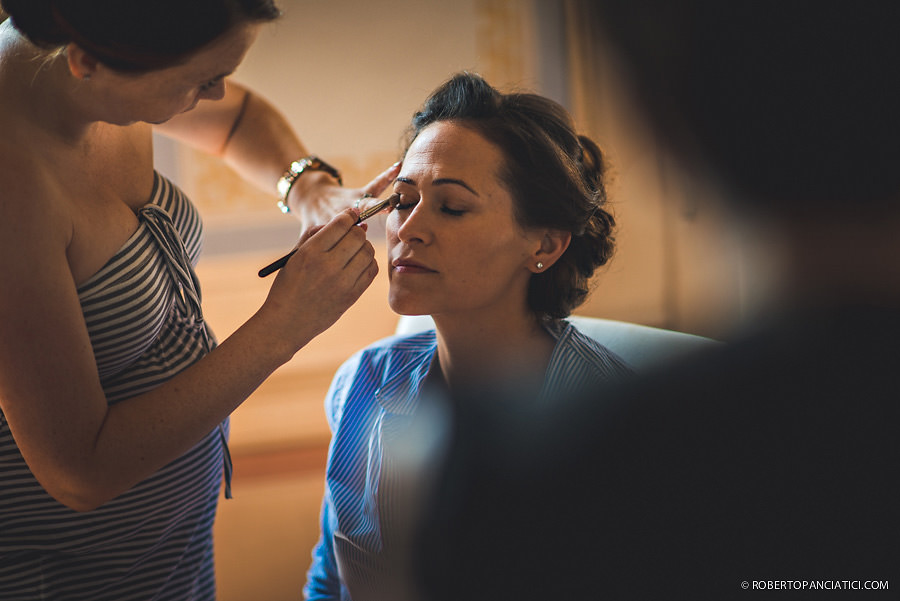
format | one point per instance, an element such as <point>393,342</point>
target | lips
<point>410,266</point>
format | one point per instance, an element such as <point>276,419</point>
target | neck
<point>40,91</point>
<point>474,353</point>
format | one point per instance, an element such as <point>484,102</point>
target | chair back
<point>640,346</point>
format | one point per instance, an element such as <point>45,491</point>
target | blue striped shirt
<point>369,478</point>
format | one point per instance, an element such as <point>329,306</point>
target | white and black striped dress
<point>143,314</point>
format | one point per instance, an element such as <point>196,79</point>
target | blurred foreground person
<point>771,462</point>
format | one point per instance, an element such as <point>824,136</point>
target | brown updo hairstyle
<point>555,177</point>
<point>134,36</point>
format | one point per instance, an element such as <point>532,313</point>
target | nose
<point>415,226</point>
<point>216,92</point>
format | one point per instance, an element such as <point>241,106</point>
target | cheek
<point>391,225</point>
<point>493,250</point>
<point>391,241</point>
<point>390,233</point>
<point>176,96</point>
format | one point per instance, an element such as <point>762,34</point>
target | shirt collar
<point>400,392</point>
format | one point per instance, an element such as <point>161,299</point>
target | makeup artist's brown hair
<point>555,177</point>
<point>134,36</point>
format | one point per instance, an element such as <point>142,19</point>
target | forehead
<point>450,145</point>
<point>222,55</point>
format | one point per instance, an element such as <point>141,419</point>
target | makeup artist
<point>114,395</point>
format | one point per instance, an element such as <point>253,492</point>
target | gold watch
<point>295,170</point>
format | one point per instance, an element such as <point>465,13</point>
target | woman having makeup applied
<point>114,395</point>
<point>499,225</point>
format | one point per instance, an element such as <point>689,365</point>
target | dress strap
<point>159,224</point>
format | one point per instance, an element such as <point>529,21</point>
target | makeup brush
<point>370,212</point>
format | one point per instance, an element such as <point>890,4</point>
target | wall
<point>677,262</point>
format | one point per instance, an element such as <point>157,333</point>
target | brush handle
<point>370,212</point>
<point>273,267</point>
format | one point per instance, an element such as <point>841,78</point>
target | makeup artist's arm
<point>84,451</point>
<point>256,140</point>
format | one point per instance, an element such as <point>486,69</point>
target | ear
<point>81,64</point>
<point>553,244</point>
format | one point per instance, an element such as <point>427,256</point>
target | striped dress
<point>387,433</point>
<point>154,542</point>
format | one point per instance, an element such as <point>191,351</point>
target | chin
<point>160,121</point>
<point>412,313</point>
<point>407,310</point>
<point>406,305</point>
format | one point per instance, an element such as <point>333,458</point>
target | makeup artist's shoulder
<point>22,185</point>
<point>17,146</point>
<point>14,169</point>
<point>21,173</point>
<point>29,212</point>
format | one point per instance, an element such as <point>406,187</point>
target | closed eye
<point>210,84</point>
<point>403,203</point>
<point>453,212</point>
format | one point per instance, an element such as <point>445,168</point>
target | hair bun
<point>593,166</point>
<point>34,18</point>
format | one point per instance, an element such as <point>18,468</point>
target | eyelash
<point>404,206</point>
<point>209,85</point>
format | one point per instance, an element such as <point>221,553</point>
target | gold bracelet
<point>295,170</point>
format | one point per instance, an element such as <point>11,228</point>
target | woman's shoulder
<point>21,166</point>
<point>574,346</point>
<point>384,360</point>
<point>393,348</point>
<point>377,364</point>
<point>30,217</point>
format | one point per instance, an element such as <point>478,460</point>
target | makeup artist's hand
<point>333,266</point>
<point>321,197</point>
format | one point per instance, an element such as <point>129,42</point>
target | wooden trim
<point>282,463</point>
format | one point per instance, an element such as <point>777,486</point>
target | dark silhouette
<point>770,462</point>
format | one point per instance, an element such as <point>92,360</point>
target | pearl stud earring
<point>540,265</point>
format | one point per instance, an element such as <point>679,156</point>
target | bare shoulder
<point>44,347</point>
<point>31,220</point>
<point>34,225</point>
<point>35,229</point>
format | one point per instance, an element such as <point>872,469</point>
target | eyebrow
<point>442,181</point>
